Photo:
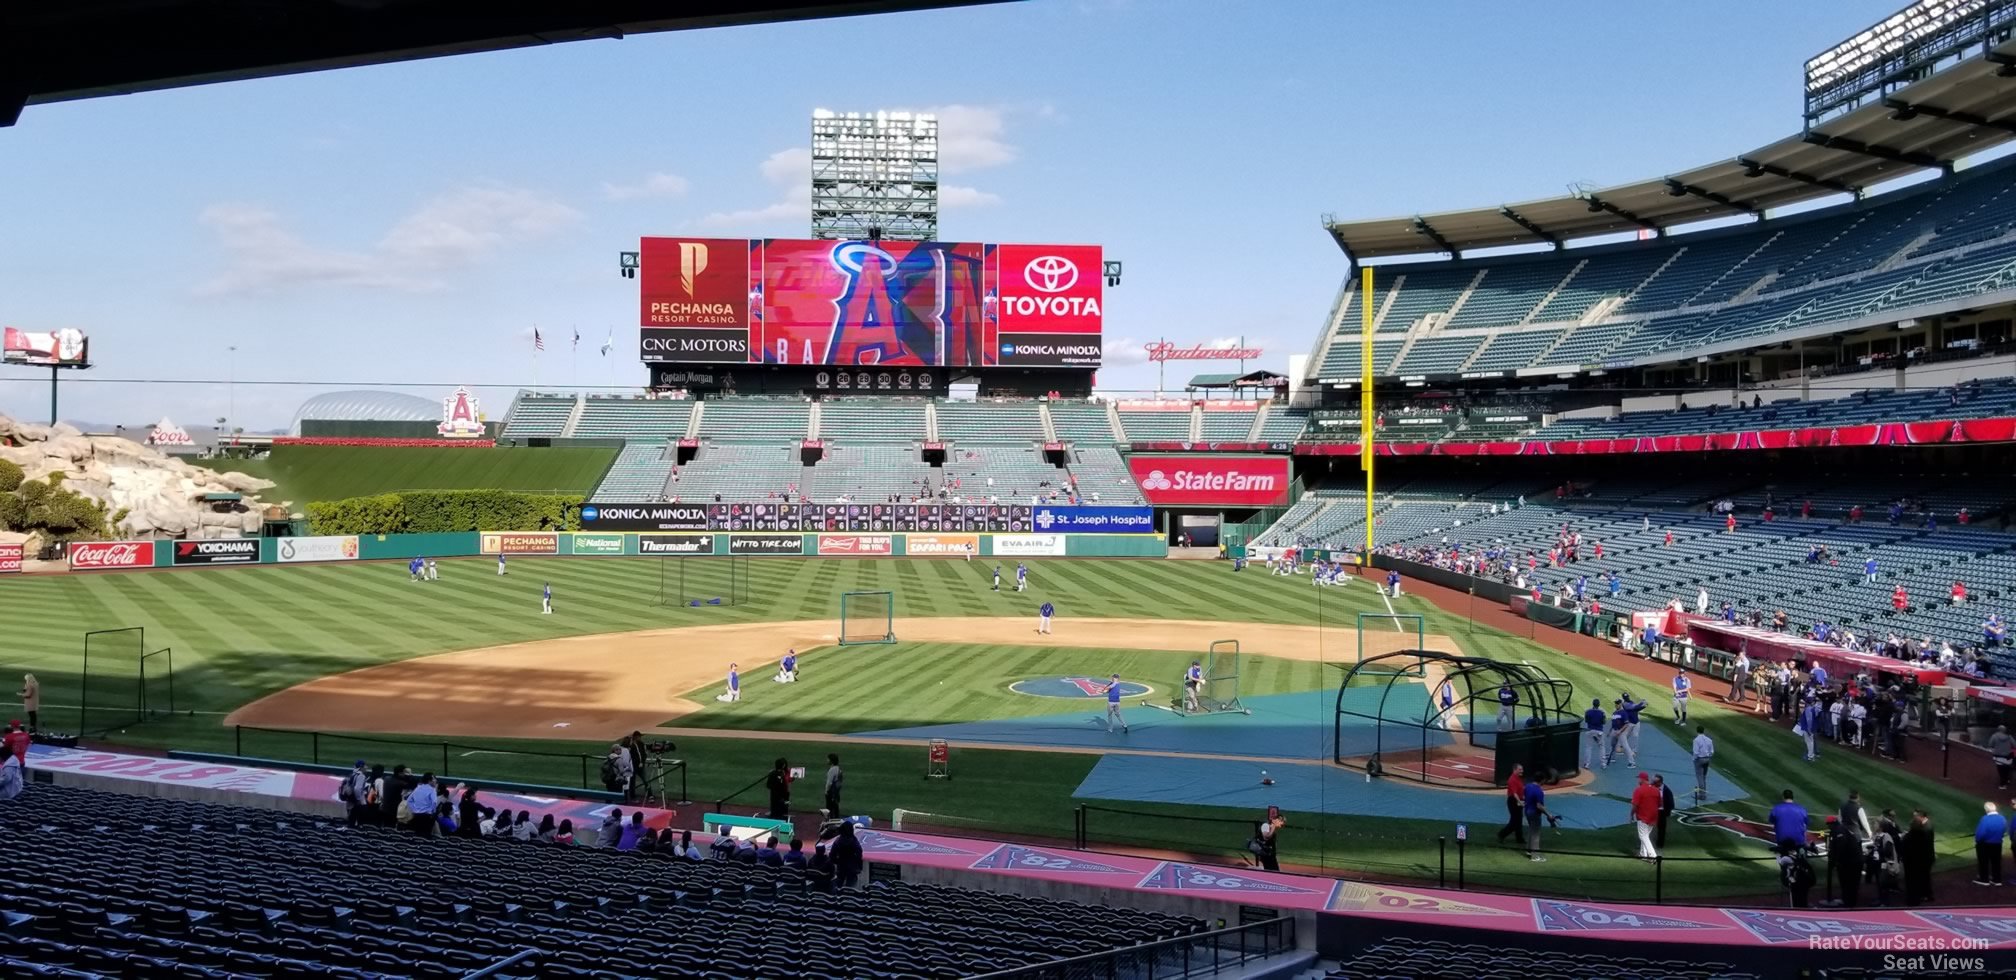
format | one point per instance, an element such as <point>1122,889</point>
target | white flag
<point>610,343</point>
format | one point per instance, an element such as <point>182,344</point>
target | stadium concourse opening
<point>1432,731</point>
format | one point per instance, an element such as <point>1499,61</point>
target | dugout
<point>1390,720</point>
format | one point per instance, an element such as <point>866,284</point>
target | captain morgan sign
<point>1237,481</point>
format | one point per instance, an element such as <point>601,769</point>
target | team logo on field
<point>1076,687</point>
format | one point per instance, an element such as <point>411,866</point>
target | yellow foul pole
<point>1365,428</point>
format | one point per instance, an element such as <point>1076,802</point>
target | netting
<point>867,617</point>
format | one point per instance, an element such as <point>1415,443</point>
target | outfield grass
<point>243,633</point>
<point>304,474</point>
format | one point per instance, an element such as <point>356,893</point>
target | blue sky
<point>408,224</point>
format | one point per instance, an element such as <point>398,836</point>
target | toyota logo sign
<point>1050,274</point>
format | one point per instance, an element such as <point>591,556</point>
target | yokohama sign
<point>1238,481</point>
<point>111,554</point>
<point>229,551</point>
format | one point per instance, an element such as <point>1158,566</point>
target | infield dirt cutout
<point>606,685</point>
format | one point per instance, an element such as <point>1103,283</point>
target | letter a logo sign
<point>459,417</point>
<point>692,262</point>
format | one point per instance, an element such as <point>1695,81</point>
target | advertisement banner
<point>316,549</point>
<point>694,282</point>
<point>859,545</point>
<point>67,347</point>
<point>10,558</point>
<point>941,545</point>
<point>1237,481</point>
<point>1025,545</point>
<point>644,517</point>
<point>693,345</point>
<point>1049,289</point>
<point>1050,350</point>
<point>595,544</point>
<point>519,543</point>
<point>766,544</point>
<point>855,303</point>
<point>1097,520</point>
<point>231,551</point>
<point>111,554</point>
<point>675,544</point>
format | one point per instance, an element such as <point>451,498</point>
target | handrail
<point>1271,944</point>
<point>513,960</point>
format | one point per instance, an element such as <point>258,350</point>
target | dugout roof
<point>59,50</point>
<point>1927,125</point>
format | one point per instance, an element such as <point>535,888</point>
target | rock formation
<point>158,493</point>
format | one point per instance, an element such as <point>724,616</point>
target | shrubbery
<point>43,505</point>
<point>442,511</point>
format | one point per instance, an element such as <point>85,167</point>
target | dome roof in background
<point>366,406</point>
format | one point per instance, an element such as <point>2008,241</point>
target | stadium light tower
<point>874,175</point>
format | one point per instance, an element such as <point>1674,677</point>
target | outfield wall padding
<point>459,543</point>
<point>1116,546</point>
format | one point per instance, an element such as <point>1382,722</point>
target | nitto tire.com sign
<point>1211,481</point>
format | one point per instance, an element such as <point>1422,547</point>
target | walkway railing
<point>1202,955</point>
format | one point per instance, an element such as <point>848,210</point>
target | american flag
<point>538,342</point>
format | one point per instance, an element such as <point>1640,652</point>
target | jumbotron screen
<point>858,303</point>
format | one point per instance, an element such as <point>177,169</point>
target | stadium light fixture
<point>1111,268</point>
<point>627,264</point>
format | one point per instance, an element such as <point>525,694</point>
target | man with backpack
<point>354,791</point>
<point>617,771</point>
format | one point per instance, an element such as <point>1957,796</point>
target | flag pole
<point>1366,435</point>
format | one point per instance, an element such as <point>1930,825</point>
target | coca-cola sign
<point>10,557</point>
<point>111,554</point>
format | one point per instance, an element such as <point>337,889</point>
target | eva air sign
<point>597,544</point>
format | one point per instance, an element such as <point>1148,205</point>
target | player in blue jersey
<point>1021,576</point>
<point>1113,705</point>
<point>1043,614</point>
<point>1593,723</point>
<point>1448,693</point>
<point>1620,736</point>
<point>413,569</point>
<point>1682,687</point>
<point>1193,685</point>
<point>1393,584</point>
<point>1508,707</point>
<point>787,668</point>
<point>500,564</point>
<point>546,600</point>
<point>997,578</point>
<point>1631,709</point>
<point>734,692</point>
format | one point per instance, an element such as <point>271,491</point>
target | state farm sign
<point>1237,481</point>
<point>111,554</point>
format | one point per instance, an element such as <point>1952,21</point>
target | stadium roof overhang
<point>59,50</point>
<point>1958,112</point>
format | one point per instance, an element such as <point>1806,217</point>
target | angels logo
<point>460,418</point>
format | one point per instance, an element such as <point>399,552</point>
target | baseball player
<point>500,564</point>
<point>1508,707</point>
<point>413,569</point>
<point>433,570</point>
<point>1043,614</point>
<point>969,553</point>
<point>1193,682</point>
<point>997,578</point>
<point>546,601</point>
<point>1594,722</point>
<point>1631,710</point>
<point>1021,576</point>
<point>734,692</point>
<point>1448,693</point>
<point>787,668</point>
<point>1393,584</point>
<point>1113,705</point>
<point>1682,686</point>
<point>1619,736</point>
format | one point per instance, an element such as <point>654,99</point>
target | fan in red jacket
<point>1898,600</point>
<point>1645,814</point>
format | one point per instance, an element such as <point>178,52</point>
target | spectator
<point>778,782</point>
<point>566,834</point>
<point>420,804</point>
<point>356,787</point>
<point>1844,860</point>
<point>686,849</point>
<point>11,782</point>
<point>612,828</point>
<point>31,701</point>
<point>1666,807</point>
<point>444,818</point>
<point>724,847</point>
<point>1645,815</point>
<point>834,778</point>
<point>1515,805</point>
<point>1889,862</point>
<point>471,813</point>
<point>847,859</point>
<point>795,857</point>
<point>768,855</point>
<point>492,821</point>
<point>1788,824</point>
<point>1854,819</point>
<point>617,771</point>
<point>15,743</point>
<point>2002,749</point>
<point>396,787</point>
<point>668,842</point>
<point>547,830</point>
<point>1988,836</point>
<point>373,811</point>
<point>1797,874</point>
<point>521,829</point>
<point>631,832</point>
<point>1917,854</point>
<point>1266,843</point>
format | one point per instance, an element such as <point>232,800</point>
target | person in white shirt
<point>1858,716</point>
<point>1704,750</point>
<point>1701,600</point>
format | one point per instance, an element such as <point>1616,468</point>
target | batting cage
<point>122,683</point>
<point>867,618</point>
<point>1218,690</point>
<point>1461,721</point>
<point>699,581</point>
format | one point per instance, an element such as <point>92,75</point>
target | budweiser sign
<point>1163,350</point>
<point>111,554</point>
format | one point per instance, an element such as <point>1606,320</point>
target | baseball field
<point>467,675</point>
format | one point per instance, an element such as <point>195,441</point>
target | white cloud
<point>955,196</point>
<point>446,232</point>
<point>1124,350</point>
<point>653,185</point>
<point>970,138</point>
<point>795,207</point>
<point>788,167</point>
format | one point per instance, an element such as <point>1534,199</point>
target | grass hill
<point>312,473</point>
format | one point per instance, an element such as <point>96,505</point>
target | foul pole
<point>1365,428</point>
